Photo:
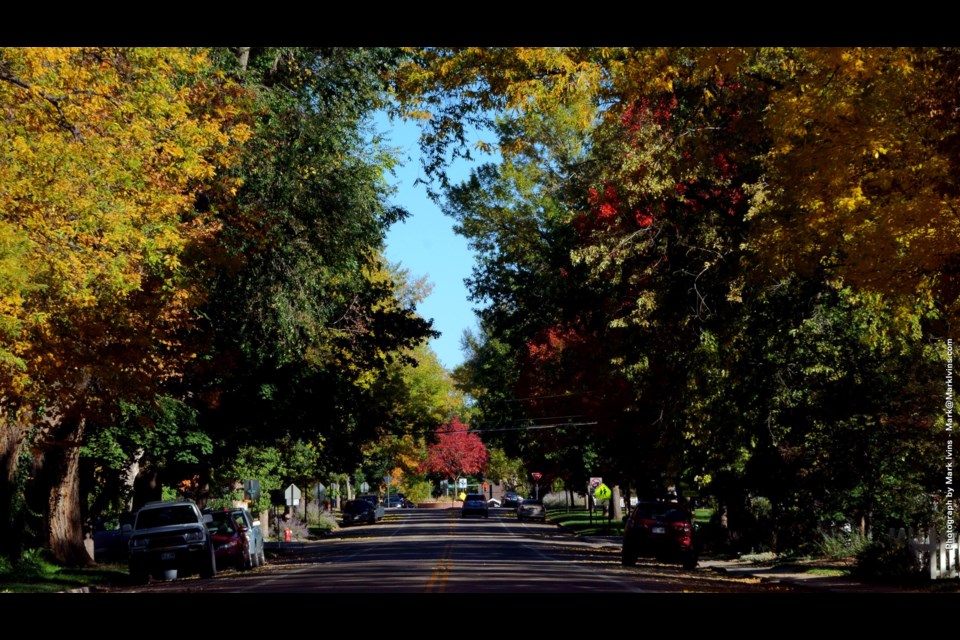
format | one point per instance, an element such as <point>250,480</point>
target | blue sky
<point>426,245</point>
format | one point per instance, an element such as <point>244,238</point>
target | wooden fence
<point>935,554</point>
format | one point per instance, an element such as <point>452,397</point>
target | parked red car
<point>238,542</point>
<point>662,529</point>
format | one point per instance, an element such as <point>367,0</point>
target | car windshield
<point>656,511</point>
<point>150,518</point>
<point>222,524</point>
<point>357,506</point>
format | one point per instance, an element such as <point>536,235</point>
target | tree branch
<point>62,121</point>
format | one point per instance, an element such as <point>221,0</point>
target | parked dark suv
<point>662,529</point>
<point>170,539</point>
<point>378,508</point>
<point>359,512</point>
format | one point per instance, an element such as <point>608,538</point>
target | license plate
<point>168,555</point>
<point>658,530</point>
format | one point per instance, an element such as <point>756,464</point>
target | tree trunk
<point>616,511</point>
<point>60,473</point>
<point>13,432</point>
<point>130,478</point>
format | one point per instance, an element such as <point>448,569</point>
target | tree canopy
<point>698,251</point>
<point>725,270</point>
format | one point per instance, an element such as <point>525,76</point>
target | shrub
<point>418,490</point>
<point>299,530</point>
<point>888,559</point>
<point>841,543</point>
<point>321,522</point>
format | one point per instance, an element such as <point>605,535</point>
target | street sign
<point>364,487</point>
<point>536,475</point>
<point>462,483</point>
<point>596,482</point>
<point>602,492</point>
<point>251,490</point>
<point>388,479</point>
<point>292,495</point>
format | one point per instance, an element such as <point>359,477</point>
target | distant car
<point>359,512</point>
<point>662,529</point>
<point>511,500</point>
<point>238,538</point>
<point>395,502</point>
<point>493,502</point>
<point>475,504</point>
<point>531,509</point>
<point>170,536</point>
<point>377,505</point>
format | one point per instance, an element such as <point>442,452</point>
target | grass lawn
<point>34,574</point>
<point>579,520</point>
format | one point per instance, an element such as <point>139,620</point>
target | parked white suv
<point>168,537</point>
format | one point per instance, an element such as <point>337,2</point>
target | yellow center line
<point>438,579</point>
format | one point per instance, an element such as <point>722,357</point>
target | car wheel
<point>690,561</point>
<point>628,555</point>
<point>262,557</point>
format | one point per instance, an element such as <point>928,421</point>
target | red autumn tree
<point>456,451</point>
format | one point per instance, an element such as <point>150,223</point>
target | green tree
<point>305,321</point>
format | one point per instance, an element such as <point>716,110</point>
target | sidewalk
<point>787,575</point>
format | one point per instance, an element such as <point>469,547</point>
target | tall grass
<point>839,544</point>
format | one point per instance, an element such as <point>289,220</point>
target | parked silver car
<point>531,509</point>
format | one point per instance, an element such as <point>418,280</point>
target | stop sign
<point>536,475</point>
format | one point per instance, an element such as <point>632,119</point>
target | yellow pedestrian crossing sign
<point>602,492</point>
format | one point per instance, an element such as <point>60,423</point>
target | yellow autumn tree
<point>103,152</point>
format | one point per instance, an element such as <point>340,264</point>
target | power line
<point>528,427</point>
<point>559,395</point>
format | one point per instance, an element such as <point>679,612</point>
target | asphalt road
<point>434,551</point>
